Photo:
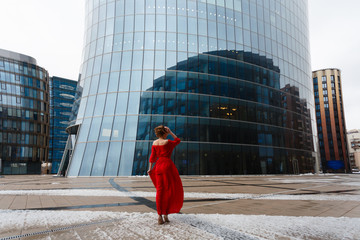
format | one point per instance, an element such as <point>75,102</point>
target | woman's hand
<point>167,130</point>
<point>149,171</point>
<point>170,132</point>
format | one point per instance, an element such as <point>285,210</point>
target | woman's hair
<point>160,131</point>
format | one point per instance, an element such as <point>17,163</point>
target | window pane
<point>105,131</point>
<point>95,127</point>
<point>90,106</point>
<point>108,44</point>
<point>119,25</point>
<point>88,159</point>
<point>171,41</point>
<point>159,60</point>
<point>109,26</point>
<point>126,64</point>
<point>128,41</point>
<point>118,128</point>
<point>148,59</point>
<point>134,101</point>
<point>139,6</point>
<point>130,128</point>
<point>137,60</point>
<point>124,81</point>
<point>100,159</point>
<point>149,40</point>
<point>114,81</point>
<point>121,103</point>
<point>100,103</point>
<point>135,81</point>
<point>147,80</point>
<point>171,23</point>
<point>84,130</point>
<point>160,41</point>
<point>110,104</point>
<point>139,40</point>
<point>182,24</point>
<point>150,23</point>
<point>120,8</point>
<point>160,22</point>
<point>127,158</point>
<point>78,153</point>
<point>115,64</point>
<point>113,158</point>
<point>103,84</point>
<point>129,23</point>
<point>118,42</point>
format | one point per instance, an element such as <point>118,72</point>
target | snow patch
<point>204,226</point>
<point>187,195</point>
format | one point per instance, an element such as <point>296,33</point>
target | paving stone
<point>276,185</point>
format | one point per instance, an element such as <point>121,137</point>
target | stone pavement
<point>131,215</point>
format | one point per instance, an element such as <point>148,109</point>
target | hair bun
<point>160,131</point>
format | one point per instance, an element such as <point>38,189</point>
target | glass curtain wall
<point>62,94</point>
<point>24,114</point>
<point>232,78</point>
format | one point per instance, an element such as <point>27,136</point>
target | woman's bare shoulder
<point>159,142</point>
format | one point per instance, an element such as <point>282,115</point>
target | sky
<point>51,31</point>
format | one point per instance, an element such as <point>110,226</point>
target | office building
<point>24,114</point>
<point>221,74</point>
<point>62,94</point>
<point>353,139</point>
<point>330,120</point>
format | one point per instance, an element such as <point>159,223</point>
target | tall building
<point>353,138</point>
<point>330,120</point>
<point>62,95</point>
<point>24,114</point>
<point>219,73</point>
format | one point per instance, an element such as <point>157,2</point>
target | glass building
<point>24,114</point>
<point>62,94</point>
<point>232,78</point>
<point>330,120</point>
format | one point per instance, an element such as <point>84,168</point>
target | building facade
<point>62,95</point>
<point>24,114</point>
<point>232,78</point>
<point>353,139</point>
<point>330,120</point>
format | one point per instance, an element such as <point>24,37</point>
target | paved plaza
<point>325,206</point>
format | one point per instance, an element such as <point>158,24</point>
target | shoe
<point>160,220</point>
<point>166,219</point>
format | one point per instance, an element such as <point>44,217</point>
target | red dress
<point>166,179</point>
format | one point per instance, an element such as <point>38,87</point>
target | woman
<point>164,175</point>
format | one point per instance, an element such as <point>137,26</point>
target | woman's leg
<point>160,220</point>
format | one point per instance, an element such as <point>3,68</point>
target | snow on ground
<point>303,180</point>
<point>186,226</point>
<point>357,184</point>
<point>116,193</point>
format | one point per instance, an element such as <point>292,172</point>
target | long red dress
<point>166,179</point>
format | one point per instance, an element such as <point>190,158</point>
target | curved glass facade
<point>24,114</point>
<point>232,78</point>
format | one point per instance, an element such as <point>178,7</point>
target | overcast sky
<point>51,31</point>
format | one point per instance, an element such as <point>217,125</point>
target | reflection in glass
<point>224,74</point>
